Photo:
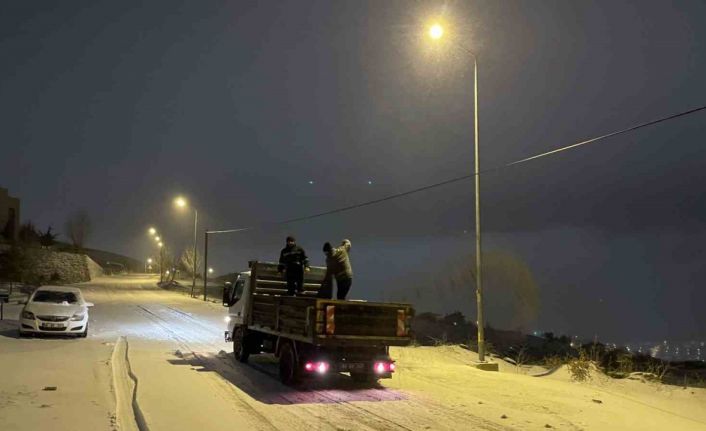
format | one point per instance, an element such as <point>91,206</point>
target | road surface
<point>156,360</point>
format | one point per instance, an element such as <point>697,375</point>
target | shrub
<point>580,368</point>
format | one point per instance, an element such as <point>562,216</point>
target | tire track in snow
<point>163,324</point>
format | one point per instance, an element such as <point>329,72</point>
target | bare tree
<point>78,228</point>
<point>189,262</point>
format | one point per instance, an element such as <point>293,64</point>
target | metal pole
<point>205,263</point>
<point>161,270</point>
<point>193,272</point>
<point>479,278</point>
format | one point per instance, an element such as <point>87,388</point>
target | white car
<point>57,310</point>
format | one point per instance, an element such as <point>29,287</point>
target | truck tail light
<point>401,324</point>
<point>330,319</point>
<point>384,367</point>
<point>320,367</point>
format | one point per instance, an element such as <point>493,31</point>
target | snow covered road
<point>186,379</point>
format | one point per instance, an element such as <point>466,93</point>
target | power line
<point>465,177</point>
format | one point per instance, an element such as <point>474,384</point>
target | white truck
<point>312,336</point>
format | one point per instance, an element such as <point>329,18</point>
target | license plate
<point>52,325</point>
<point>352,366</point>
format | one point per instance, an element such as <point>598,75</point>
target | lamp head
<point>436,31</point>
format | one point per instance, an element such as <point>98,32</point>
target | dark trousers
<point>343,285</point>
<point>295,281</point>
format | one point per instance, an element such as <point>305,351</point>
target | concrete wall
<point>60,267</point>
<point>9,216</point>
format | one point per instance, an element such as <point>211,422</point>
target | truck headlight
<point>78,316</point>
<point>27,315</point>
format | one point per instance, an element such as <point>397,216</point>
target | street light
<point>156,238</point>
<point>180,202</point>
<point>436,32</point>
<point>148,263</point>
<point>152,231</point>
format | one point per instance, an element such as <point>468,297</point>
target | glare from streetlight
<point>156,238</point>
<point>436,31</point>
<point>152,231</point>
<point>149,260</point>
<point>160,245</point>
<point>210,270</point>
<point>180,202</point>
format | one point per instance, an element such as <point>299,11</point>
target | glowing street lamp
<point>152,231</point>
<point>160,244</point>
<point>210,270</point>
<point>157,238</point>
<point>436,32</point>
<point>180,202</point>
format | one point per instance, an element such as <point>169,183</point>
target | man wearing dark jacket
<point>338,266</point>
<point>293,261</point>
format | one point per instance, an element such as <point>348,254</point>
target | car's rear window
<point>55,297</point>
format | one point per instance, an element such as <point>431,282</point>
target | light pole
<point>181,203</point>
<point>436,32</point>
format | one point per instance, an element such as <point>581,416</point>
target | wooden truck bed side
<point>322,321</point>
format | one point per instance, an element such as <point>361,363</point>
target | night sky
<point>265,111</point>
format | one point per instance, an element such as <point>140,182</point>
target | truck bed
<point>320,321</point>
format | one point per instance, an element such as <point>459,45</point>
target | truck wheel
<point>366,378</point>
<point>240,346</point>
<point>288,365</point>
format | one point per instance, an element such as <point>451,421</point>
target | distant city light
<point>311,182</point>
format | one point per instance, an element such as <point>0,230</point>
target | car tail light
<point>309,366</point>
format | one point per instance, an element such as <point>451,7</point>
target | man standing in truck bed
<point>338,266</point>
<point>293,260</point>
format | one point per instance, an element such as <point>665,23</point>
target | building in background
<point>9,216</point>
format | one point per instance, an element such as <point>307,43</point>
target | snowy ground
<point>186,379</point>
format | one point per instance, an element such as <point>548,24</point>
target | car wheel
<point>288,365</point>
<point>84,334</point>
<point>240,345</point>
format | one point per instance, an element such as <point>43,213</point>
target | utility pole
<point>205,264</point>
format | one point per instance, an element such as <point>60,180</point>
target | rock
<point>503,417</point>
<point>547,426</point>
<point>49,388</point>
<point>597,401</point>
